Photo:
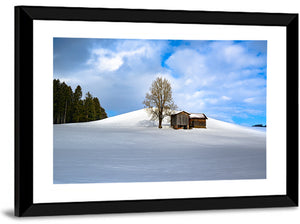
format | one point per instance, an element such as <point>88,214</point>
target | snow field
<point>130,148</point>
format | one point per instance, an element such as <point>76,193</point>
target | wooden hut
<point>180,120</point>
<point>185,120</point>
<point>197,120</point>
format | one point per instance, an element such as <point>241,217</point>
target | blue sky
<point>226,80</point>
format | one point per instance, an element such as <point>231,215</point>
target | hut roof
<point>198,115</point>
<point>180,112</point>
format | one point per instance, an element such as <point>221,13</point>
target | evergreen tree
<point>68,106</point>
<point>77,105</point>
<point>62,102</point>
<point>100,112</point>
<point>56,99</point>
<point>59,101</point>
<point>89,107</point>
<point>82,117</point>
<point>66,103</point>
<point>97,108</point>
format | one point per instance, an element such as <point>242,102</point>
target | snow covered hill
<point>130,148</point>
<point>140,118</point>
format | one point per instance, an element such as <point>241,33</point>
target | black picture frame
<point>24,18</point>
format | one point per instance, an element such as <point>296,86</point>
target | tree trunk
<point>160,117</point>
<point>65,115</point>
<point>58,118</point>
<point>159,123</point>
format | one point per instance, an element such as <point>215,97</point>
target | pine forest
<point>69,107</point>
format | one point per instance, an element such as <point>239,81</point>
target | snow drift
<point>130,148</point>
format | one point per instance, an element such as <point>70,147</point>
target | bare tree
<point>159,101</point>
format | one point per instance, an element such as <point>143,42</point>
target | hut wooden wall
<point>198,123</point>
<point>178,120</point>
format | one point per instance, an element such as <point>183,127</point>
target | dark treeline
<point>68,106</point>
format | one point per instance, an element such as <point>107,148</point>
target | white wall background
<point>271,215</point>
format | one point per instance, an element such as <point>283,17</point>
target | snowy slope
<point>130,148</point>
<point>140,118</point>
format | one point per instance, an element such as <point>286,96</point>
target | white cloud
<point>249,100</point>
<point>225,98</point>
<point>235,56</point>
<point>105,60</point>
<point>187,62</point>
<point>211,100</point>
<point>188,82</point>
<point>198,94</point>
<point>109,64</point>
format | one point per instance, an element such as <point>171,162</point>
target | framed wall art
<point>132,110</point>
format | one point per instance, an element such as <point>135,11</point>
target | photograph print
<point>148,110</point>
